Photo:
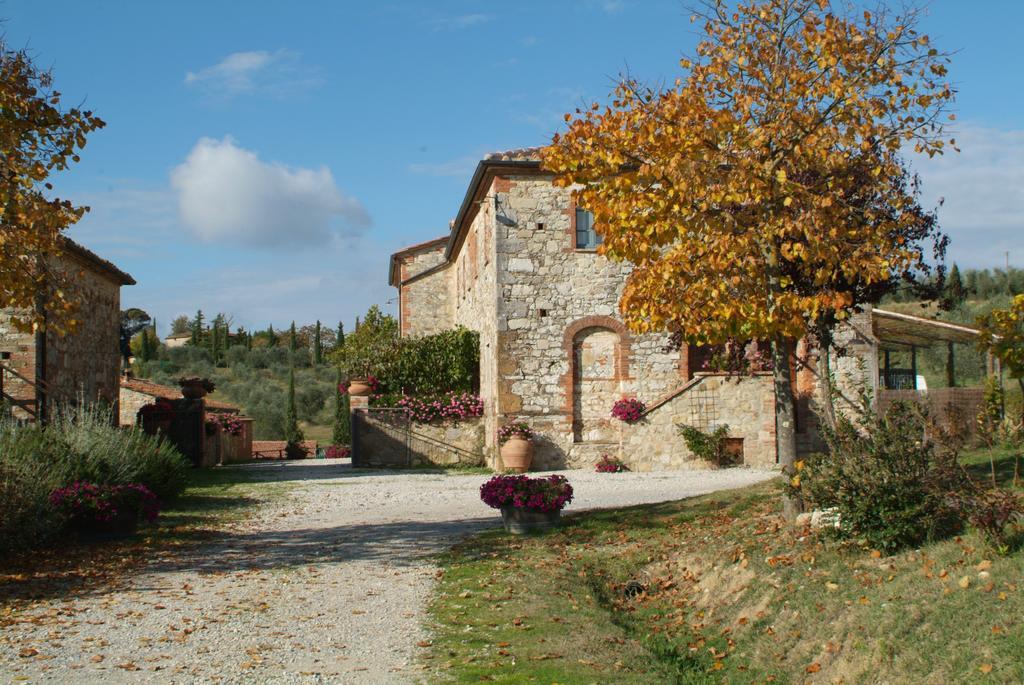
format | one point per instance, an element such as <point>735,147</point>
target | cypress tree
<point>293,341</point>
<point>955,291</point>
<point>342,427</point>
<point>271,336</point>
<point>292,434</point>
<point>318,349</point>
<point>339,341</point>
<point>197,329</point>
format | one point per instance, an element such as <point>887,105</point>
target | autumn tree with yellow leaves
<point>765,194</point>
<point>37,139</point>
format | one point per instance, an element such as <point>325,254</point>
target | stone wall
<point>18,379</point>
<point>426,303</point>
<point>563,354</point>
<point>129,405</point>
<point>83,365</point>
<point>386,438</point>
<point>86,364</point>
<point>474,278</point>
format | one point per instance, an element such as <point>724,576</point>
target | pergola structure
<point>901,332</point>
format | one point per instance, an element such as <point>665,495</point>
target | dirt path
<point>328,586</point>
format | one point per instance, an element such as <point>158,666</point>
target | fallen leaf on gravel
<point>128,666</point>
<point>28,652</point>
<point>424,643</point>
<point>96,658</point>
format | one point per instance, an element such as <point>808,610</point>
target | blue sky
<point>265,162</point>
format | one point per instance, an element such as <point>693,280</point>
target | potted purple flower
<point>516,446</point>
<point>105,511</point>
<point>527,504</point>
<point>628,410</point>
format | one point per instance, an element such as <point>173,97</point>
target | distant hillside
<point>257,381</point>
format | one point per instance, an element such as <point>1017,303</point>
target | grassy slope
<point>733,595</point>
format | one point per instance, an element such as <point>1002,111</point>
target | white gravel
<point>330,585</point>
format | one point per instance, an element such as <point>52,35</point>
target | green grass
<point>732,594</point>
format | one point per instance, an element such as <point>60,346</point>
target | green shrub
<point>26,482</point>
<point>708,446</point>
<point>102,453</point>
<point>889,483</point>
<point>78,445</point>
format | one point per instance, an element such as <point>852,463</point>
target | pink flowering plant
<point>227,423</point>
<point>550,493</point>
<point>610,464</point>
<point>454,406</point>
<point>514,430</point>
<point>629,410</point>
<point>338,452</point>
<point>87,503</point>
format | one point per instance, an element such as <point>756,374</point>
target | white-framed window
<point>586,238</point>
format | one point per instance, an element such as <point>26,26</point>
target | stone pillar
<point>356,403</point>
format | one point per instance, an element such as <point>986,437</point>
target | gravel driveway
<point>329,585</point>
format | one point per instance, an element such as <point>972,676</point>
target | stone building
<point>43,370</point>
<point>520,266</point>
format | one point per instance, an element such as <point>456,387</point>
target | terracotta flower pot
<point>359,387</point>
<point>517,454</point>
<point>193,391</point>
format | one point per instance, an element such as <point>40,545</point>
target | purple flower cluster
<point>455,406</point>
<point>514,430</point>
<point>338,452</point>
<point>610,464</point>
<point>629,410</point>
<point>88,502</point>
<point>537,494</point>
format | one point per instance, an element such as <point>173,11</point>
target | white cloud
<point>460,22</point>
<point>241,73</point>
<point>983,192</point>
<point>227,194</point>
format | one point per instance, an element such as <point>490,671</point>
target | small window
<point>586,238</point>
<point>540,226</point>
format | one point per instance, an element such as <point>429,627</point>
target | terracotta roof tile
<point>168,393</point>
<point>522,154</point>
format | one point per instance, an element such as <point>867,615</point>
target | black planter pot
<point>121,526</point>
<point>519,521</point>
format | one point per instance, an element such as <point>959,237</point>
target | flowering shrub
<point>455,406</point>
<point>629,410</point>
<point>537,494</point>
<point>85,502</point>
<point>160,408</point>
<point>338,452</point>
<point>228,423</point>
<point>610,464</point>
<point>514,430</point>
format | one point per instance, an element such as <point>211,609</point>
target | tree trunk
<point>785,424</point>
<point>1016,458</point>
